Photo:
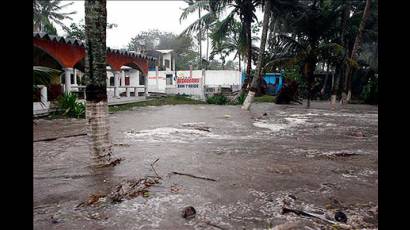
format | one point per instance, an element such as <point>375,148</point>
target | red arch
<point>68,55</point>
<point>116,60</point>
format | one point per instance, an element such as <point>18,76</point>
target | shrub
<point>217,99</point>
<point>70,107</point>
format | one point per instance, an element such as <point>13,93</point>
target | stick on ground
<point>193,176</point>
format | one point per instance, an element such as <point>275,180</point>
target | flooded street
<point>318,160</point>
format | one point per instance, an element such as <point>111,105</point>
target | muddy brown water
<point>319,156</point>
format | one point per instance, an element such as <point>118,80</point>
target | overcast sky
<point>135,16</point>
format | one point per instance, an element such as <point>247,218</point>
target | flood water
<point>320,157</point>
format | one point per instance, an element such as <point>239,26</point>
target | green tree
<point>96,75</point>
<point>77,31</point>
<point>309,42</point>
<point>47,12</point>
<point>255,81</point>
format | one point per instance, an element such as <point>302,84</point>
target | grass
<point>265,98</point>
<point>168,100</point>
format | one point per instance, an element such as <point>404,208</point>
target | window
<point>127,80</point>
<point>167,64</point>
<point>169,79</point>
<point>141,79</point>
<point>111,81</point>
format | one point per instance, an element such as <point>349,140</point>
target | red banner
<point>187,80</point>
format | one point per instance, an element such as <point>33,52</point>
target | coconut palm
<point>309,43</point>
<point>201,25</point>
<point>255,81</point>
<point>47,12</point>
<point>96,75</point>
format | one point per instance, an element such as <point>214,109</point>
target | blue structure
<point>274,82</point>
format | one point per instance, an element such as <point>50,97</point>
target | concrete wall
<point>213,78</point>
<point>222,77</point>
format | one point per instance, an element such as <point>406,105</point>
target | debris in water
<point>193,176</point>
<point>340,216</point>
<point>189,212</point>
<point>152,166</point>
<point>264,114</point>
<point>313,215</point>
<point>122,145</point>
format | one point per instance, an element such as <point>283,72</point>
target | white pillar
<point>146,85</point>
<point>68,72</point>
<point>156,77</point>
<point>128,92</point>
<point>75,76</point>
<point>43,95</point>
<point>122,78</point>
<point>116,83</point>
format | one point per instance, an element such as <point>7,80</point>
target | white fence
<point>192,82</point>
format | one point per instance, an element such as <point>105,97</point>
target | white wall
<point>222,77</point>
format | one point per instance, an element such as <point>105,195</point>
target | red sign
<point>187,80</point>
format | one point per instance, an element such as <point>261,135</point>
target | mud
<point>326,159</point>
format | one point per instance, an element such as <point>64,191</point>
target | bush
<point>70,107</point>
<point>217,99</point>
<point>370,92</point>
<point>241,98</point>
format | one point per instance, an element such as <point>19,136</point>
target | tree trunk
<point>340,65</point>
<point>322,91</point>
<point>200,41</point>
<point>239,57</point>
<point>356,47</point>
<point>254,85</point>
<point>309,73</point>
<point>96,89</point>
<point>207,45</point>
<point>249,57</point>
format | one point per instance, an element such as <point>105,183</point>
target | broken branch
<point>193,176</point>
<point>152,166</point>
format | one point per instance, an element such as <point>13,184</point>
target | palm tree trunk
<point>254,85</point>
<point>356,46</point>
<point>239,57</point>
<point>96,89</point>
<point>249,55</point>
<point>200,41</point>
<point>207,44</point>
<point>339,66</point>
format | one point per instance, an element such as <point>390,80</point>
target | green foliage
<point>70,107</point>
<point>370,92</point>
<point>46,13</point>
<point>77,31</point>
<point>183,46</point>
<point>217,99</point>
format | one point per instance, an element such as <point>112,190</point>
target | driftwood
<point>193,176</point>
<point>313,215</point>
<point>152,166</point>
<point>55,138</point>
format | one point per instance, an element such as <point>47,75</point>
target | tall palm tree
<point>255,81</point>
<point>245,9</point>
<point>201,25</point>
<point>357,43</point>
<point>47,12</point>
<point>309,43</point>
<point>96,75</point>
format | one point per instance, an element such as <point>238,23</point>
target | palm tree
<point>47,12</point>
<point>309,43</point>
<point>255,81</point>
<point>95,72</point>
<point>201,25</point>
<point>245,9</point>
<point>357,43</point>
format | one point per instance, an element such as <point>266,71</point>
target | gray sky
<point>135,16</point>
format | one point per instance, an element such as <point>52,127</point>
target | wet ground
<point>317,160</point>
